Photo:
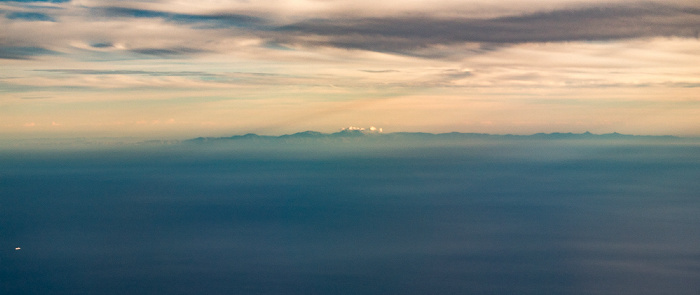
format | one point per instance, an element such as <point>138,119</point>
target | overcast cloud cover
<point>125,67</point>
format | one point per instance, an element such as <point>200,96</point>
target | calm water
<point>505,217</point>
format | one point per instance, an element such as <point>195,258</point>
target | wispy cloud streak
<point>125,72</point>
<point>13,52</point>
<point>216,20</point>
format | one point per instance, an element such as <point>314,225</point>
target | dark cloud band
<point>407,35</point>
<point>589,24</point>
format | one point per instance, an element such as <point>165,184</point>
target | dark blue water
<point>498,218</point>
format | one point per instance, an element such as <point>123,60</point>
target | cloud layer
<point>402,33</point>
<point>308,55</point>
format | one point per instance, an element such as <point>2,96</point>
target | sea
<point>322,214</point>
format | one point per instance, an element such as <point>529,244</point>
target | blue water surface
<point>501,217</point>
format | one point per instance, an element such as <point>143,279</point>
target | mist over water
<point>487,216</point>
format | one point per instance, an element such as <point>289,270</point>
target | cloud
<point>102,45</point>
<point>379,71</point>
<point>404,34</point>
<point>445,64</point>
<point>28,52</point>
<point>32,1</point>
<point>35,97</point>
<point>127,72</point>
<point>30,16</point>
<point>167,52</point>
<point>165,29</point>
<point>419,34</point>
<point>216,20</point>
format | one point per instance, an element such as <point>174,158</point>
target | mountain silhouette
<point>358,135</point>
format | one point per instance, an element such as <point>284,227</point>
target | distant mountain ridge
<point>361,135</point>
<point>343,137</point>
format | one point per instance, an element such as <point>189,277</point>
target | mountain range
<point>360,135</point>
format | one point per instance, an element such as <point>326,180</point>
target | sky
<point>180,69</point>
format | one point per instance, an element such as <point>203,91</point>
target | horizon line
<point>365,132</point>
